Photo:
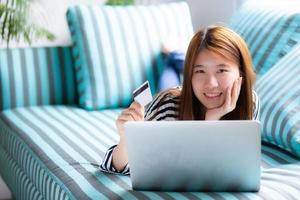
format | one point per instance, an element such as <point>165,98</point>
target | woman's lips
<point>212,96</point>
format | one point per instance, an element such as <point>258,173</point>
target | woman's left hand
<point>232,95</point>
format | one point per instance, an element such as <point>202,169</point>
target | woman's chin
<point>210,107</point>
<point>212,103</point>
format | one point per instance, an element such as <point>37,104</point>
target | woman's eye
<point>222,70</point>
<point>199,71</point>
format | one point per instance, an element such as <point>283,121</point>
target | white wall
<point>51,15</point>
<point>205,12</point>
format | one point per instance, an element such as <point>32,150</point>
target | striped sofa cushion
<point>270,28</point>
<point>54,152</point>
<point>117,48</point>
<point>279,91</point>
<point>36,76</point>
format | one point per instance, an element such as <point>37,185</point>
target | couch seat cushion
<point>59,149</point>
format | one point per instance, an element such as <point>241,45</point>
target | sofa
<point>59,104</point>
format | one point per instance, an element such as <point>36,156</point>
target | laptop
<point>194,155</point>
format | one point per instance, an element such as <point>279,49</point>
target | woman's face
<point>212,75</point>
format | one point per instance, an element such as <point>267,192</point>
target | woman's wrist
<point>119,156</point>
<point>207,117</point>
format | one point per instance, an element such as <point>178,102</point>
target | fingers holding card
<point>142,94</point>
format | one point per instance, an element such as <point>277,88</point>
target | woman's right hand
<point>135,112</point>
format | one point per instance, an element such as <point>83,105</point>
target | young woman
<point>217,85</point>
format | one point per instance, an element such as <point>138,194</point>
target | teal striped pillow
<point>117,48</point>
<point>279,91</point>
<point>270,28</point>
<point>36,76</point>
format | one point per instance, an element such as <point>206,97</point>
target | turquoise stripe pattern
<point>117,48</point>
<point>36,76</point>
<point>279,91</point>
<point>54,152</point>
<point>270,28</point>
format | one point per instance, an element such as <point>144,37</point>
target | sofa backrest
<point>117,48</point>
<point>36,76</point>
<point>270,28</point>
<point>124,54</point>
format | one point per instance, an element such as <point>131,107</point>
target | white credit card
<point>142,94</point>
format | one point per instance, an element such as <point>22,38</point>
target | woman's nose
<point>211,82</point>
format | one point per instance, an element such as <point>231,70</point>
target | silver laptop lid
<point>194,155</point>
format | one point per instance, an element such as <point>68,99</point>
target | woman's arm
<point>120,156</point>
<point>116,159</point>
<point>135,112</point>
<point>107,165</point>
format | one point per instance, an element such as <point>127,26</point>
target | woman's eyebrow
<point>222,65</point>
<point>198,65</point>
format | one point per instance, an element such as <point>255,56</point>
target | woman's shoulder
<point>166,95</point>
<point>255,97</point>
<point>172,93</point>
<point>256,105</point>
<point>165,102</point>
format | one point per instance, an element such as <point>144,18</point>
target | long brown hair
<point>229,44</point>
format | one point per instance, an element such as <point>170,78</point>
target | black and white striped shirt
<point>157,111</point>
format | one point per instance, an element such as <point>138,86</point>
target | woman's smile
<point>213,95</point>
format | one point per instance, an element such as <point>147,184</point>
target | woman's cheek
<point>226,82</point>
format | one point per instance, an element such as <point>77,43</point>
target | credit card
<point>142,94</point>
